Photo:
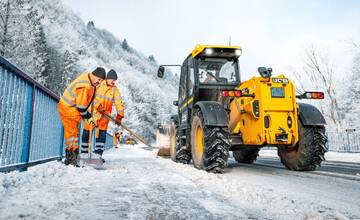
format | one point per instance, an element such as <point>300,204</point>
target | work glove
<point>118,119</point>
<point>91,121</point>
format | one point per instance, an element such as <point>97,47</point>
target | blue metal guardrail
<point>30,127</point>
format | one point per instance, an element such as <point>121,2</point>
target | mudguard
<point>310,115</point>
<point>214,113</point>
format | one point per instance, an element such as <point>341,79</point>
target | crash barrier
<point>30,127</point>
<point>340,142</point>
<point>344,141</point>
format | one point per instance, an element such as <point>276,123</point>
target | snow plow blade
<point>164,152</point>
<point>163,141</point>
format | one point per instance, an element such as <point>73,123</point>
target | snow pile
<point>134,184</point>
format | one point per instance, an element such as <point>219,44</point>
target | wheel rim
<point>199,141</point>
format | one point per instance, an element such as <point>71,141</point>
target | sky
<point>271,33</point>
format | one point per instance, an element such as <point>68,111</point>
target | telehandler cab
<point>217,113</point>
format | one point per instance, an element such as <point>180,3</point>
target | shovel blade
<point>91,162</point>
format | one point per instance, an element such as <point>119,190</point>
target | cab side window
<point>182,88</point>
<point>191,82</point>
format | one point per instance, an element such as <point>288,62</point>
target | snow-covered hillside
<point>67,46</point>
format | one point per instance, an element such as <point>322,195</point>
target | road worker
<point>73,106</point>
<point>106,95</point>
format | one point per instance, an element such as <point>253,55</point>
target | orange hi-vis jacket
<point>106,96</point>
<point>73,105</point>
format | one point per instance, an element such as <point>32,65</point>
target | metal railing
<point>344,141</point>
<point>30,127</point>
<point>31,131</point>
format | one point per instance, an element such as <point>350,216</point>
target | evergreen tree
<point>125,45</point>
<point>68,69</point>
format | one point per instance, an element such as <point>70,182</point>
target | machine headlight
<point>209,51</point>
<point>238,52</point>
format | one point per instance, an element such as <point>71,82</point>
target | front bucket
<point>163,141</point>
<point>164,152</point>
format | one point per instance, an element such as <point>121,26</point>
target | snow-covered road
<point>134,184</point>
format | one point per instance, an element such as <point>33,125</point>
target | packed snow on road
<point>135,184</point>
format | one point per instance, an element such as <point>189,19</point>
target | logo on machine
<point>280,80</point>
<point>245,91</point>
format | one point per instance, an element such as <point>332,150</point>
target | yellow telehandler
<point>218,114</point>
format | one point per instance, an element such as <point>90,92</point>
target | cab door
<point>183,113</point>
<point>191,87</point>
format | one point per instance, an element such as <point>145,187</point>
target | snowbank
<point>134,184</point>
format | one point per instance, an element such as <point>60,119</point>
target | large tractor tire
<point>309,152</point>
<point>209,145</point>
<point>246,155</point>
<point>178,150</point>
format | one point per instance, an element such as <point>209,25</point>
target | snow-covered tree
<point>53,45</point>
<point>351,99</point>
<point>125,45</point>
<point>317,73</point>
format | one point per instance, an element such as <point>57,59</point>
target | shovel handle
<point>101,110</point>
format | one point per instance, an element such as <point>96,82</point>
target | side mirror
<point>265,73</point>
<point>176,103</point>
<point>161,71</point>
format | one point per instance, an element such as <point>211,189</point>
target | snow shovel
<point>89,161</point>
<point>101,110</point>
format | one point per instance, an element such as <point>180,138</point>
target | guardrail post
<point>25,153</point>
<point>61,150</point>
<point>348,141</point>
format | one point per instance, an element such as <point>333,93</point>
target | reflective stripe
<point>71,139</point>
<point>104,117</point>
<point>104,97</point>
<point>81,107</point>
<point>85,144</point>
<point>80,81</point>
<point>70,89</point>
<point>186,103</point>
<point>83,113</point>
<point>70,93</point>
<point>100,144</point>
<point>120,112</point>
<point>68,101</point>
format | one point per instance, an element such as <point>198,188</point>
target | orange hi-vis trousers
<point>71,119</point>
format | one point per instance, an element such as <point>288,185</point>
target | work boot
<point>99,153</point>
<point>71,156</point>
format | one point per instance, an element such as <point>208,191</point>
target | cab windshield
<point>218,71</point>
